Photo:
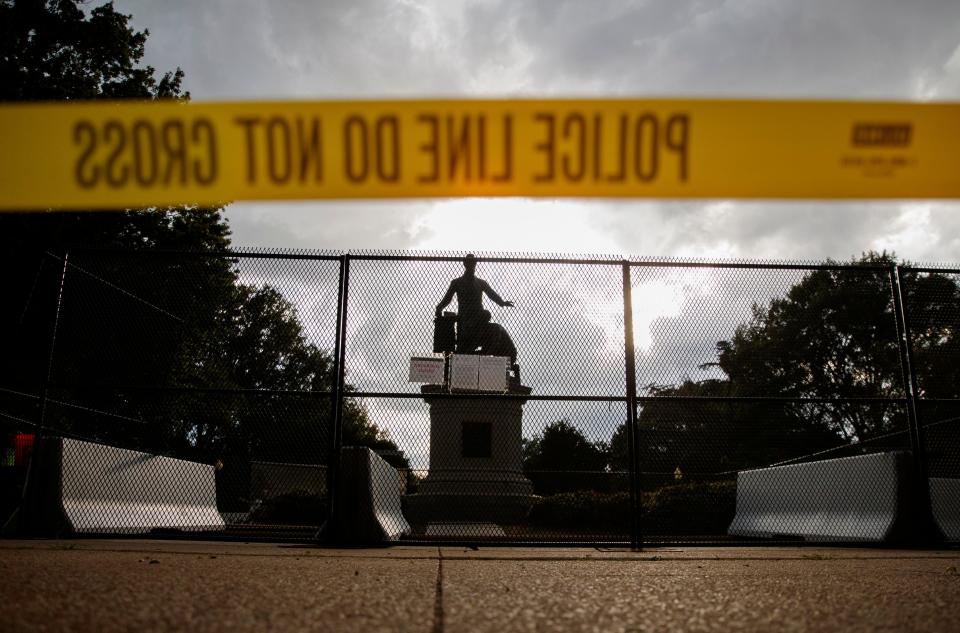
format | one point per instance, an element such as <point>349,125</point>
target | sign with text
<point>427,370</point>
<point>102,155</point>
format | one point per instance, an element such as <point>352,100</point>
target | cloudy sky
<point>868,49</point>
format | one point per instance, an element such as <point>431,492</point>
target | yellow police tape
<point>133,154</point>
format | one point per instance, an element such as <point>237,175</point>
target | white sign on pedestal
<point>464,371</point>
<point>493,373</point>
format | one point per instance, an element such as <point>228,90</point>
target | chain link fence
<point>629,396</point>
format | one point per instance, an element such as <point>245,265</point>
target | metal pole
<point>53,343</point>
<point>926,530</point>
<point>27,523</point>
<point>336,396</point>
<point>636,532</point>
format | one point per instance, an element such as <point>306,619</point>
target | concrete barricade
<point>945,503</point>
<point>96,489</point>
<point>368,508</point>
<point>862,498</point>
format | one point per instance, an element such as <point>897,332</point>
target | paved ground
<point>144,585</point>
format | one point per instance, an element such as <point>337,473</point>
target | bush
<point>295,508</point>
<point>608,512</point>
<point>701,508</point>
<point>554,482</point>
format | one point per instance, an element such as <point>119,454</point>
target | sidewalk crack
<point>438,599</point>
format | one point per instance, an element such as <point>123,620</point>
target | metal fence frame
<point>912,399</point>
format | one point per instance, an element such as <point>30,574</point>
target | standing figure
<point>473,322</point>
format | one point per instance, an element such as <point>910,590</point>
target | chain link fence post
<point>27,523</point>
<point>53,343</point>
<point>336,396</point>
<point>636,527</point>
<point>926,530</point>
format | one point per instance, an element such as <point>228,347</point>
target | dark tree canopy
<point>699,435</point>
<point>563,446</point>
<point>56,51</point>
<point>832,336</point>
<point>52,50</point>
<point>562,459</point>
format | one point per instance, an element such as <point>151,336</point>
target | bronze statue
<point>475,332</point>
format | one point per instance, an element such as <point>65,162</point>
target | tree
<point>236,373</point>
<point>263,348</point>
<point>695,429</point>
<point>52,50</point>
<point>833,337</point>
<point>932,303</point>
<point>561,459</point>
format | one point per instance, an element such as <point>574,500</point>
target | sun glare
<point>662,298</point>
<point>512,224</point>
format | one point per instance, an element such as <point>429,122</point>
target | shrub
<point>295,508</point>
<point>701,508</point>
<point>704,508</point>
<point>583,509</point>
<point>553,482</point>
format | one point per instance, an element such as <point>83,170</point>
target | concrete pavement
<point>159,585</point>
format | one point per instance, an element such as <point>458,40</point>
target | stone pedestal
<point>476,471</point>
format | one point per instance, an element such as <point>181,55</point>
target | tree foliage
<point>562,459</point>
<point>833,335</point>
<point>53,50</point>
<point>562,446</point>
<point>831,339</point>
<point>692,431</point>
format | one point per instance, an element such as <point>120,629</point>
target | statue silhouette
<point>475,332</point>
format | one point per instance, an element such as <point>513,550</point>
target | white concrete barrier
<point>368,500</point>
<point>945,503</point>
<point>862,498</point>
<point>97,489</point>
